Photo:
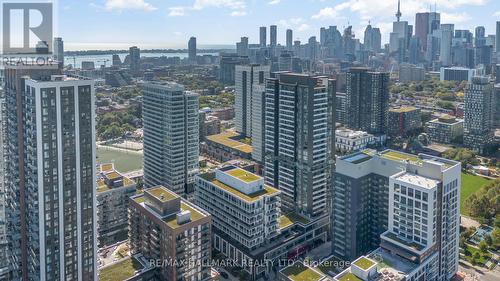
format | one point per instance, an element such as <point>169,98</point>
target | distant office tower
<point>313,48</point>
<point>479,103</point>
<point>285,61</point>
<point>289,40</point>
<point>372,39</point>
<point>135,59</point>
<point>242,47</point>
<point>332,41</point>
<point>446,38</point>
<point>457,74</point>
<point>479,36</point>
<point>50,179</point>
<point>367,100</point>
<point>116,61</point>
<point>497,36</point>
<point>263,36</point>
<point>59,50</point>
<point>170,230</point>
<point>414,51</point>
<point>403,120</point>
<point>171,136</point>
<point>299,140</point>
<point>484,55</point>
<point>227,67</point>
<point>274,35</point>
<point>192,50</point>
<point>422,28</point>
<point>421,204</point>
<point>246,78</point>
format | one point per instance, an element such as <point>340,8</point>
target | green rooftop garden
<point>243,175</point>
<point>267,190</point>
<point>195,215</point>
<point>349,277</point>
<point>399,156</point>
<point>121,270</point>
<point>364,263</point>
<point>299,272</point>
<point>162,193</point>
<point>291,218</point>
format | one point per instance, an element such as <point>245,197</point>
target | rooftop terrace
<point>290,219</point>
<point>108,176</point>
<point>243,175</point>
<point>161,193</point>
<point>121,270</point>
<point>195,215</point>
<point>300,272</point>
<point>404,109</point>
<point>226,139</point>
<point>265,191</point>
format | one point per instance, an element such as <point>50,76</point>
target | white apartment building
<point>246,76</point>
<point>421,242</point>
<point>347,140</point>
<point>242,206</point>
<point>248,225</point>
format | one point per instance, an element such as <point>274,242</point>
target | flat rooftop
<point>404,109</point>
<point>417,180</point>
<point>243,175</point>
<point>300,272</point>
<point>265,191</point>
<point>390,262</point>
<point>399,156</point>
<point>226,139</point>
<point>162,193</point>
<point>107,176</point>
<point>195,215</point>
<point>357,158</point>
<point>290,219</point>
<point>121,270</point>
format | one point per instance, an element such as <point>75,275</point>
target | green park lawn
<point>124,161</point>
<point>470,185</point>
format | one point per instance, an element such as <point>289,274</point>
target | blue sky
<point>106,24</point>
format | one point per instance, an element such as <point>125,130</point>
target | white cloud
<point>331,12</point>
<point>496,14</point>
<point>274,2</point>
<point>177,11</point>
<point>304,27</point>
<point>231,4</point>
<point>238,13</point>
<point>238,7</point>
<point>128,5</point>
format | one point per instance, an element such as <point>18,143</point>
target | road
<point>483,275</point>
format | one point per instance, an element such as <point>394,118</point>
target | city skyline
<point>149,24</point>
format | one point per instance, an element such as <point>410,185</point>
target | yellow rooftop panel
<point>226,140</point>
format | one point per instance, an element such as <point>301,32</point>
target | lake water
<point>108,59</point>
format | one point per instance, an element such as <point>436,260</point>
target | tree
<point>483,247</point>
<point>475,258</point>
<point>488,240</point>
